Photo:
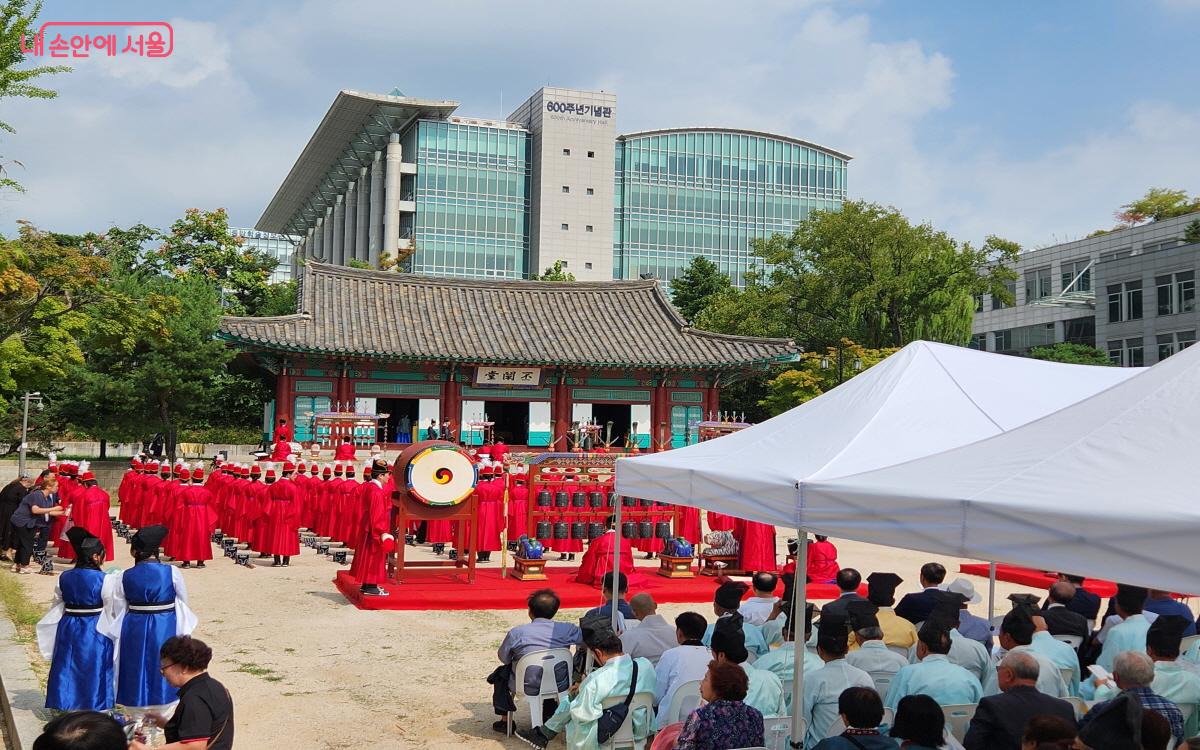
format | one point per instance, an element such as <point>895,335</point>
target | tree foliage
<point>1075,354</point>
<point>556,272</point>
<point>700,281</point>
<point>1191,233</point>
<point>17,20</point>
<point>1157,204</point>
<point>819,372</point>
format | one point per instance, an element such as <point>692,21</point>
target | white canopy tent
<point>925,399</point>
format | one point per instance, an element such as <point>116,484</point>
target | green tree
<point>700,281</point>
<point>818,373</point>
<point>1192,232</point>
<point>17,20</point>
<point>1075,354</point>
<point>280,299</point>
<point>556,272</point>
<point>1157,204</point>
<point>199,245</point>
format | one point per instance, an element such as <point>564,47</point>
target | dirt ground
<point>307,669</point>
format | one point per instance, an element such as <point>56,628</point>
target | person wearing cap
<point>1016,634</point>
<point>897,631</point>
<point>684,663</point>
<point>824,686</point>
<point>597,562</point>
<point>1061,654</point>
<point>91,510</point>
<point>280,449</point>
<point>1000,720</point>
<point>613,678</point>
<point>1113,725</point>
<point>764,690</point>
<point>934,674</point>
<point>196,519</point>
<point>127,491</point>
<point>782,661</point>
<point>262,476</point>
<point>490,512</point>
<point>1130,633</point>
<point>281,525</point>
<point>872,655</point>
<point>518,505</point>
<point>966,653</point>
<point>1162,603</point>
<point>375,539</point>
<point>151,606</point>
<point>1060,619</point>
<point>916,607</point>
<point>726,601</point>
<point>10,499</point>
<point>971,626</point>
<point>76,636</point>
<point>1134,673</point>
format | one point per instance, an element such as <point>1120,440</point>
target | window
<point>1163,245</point>
<point>591,154</point>
<point>591,192</point>
<point>1037,284</point>
<point>564,264</point>
<point>1026,337</point>
<point>1170,343</point>
<point>1176,292</point>
<point>566,188</point>
<point>566,227</point>
<point>1003,340</point>
<point>566,152</point>
<point>1076,275</point>
<point>1080,331</point>
<point>997,303</point>
<point>978,341</point>
<point>1125,301</point>
<point>587,228</point>
<point>588,266</point>
<point>1124,252</point>
<point>1126,352</point>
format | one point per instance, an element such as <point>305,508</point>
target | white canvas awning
<point>924,399</point>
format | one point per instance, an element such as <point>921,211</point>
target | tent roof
<point>922,400</point>
<point>1101,488</point>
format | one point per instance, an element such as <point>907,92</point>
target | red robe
<point>281,450</point>
<point>719,521</point>
<point>598,559</point>
<point>195,520</point>
<point>90,512</point>
<point>67,488</point>
<point>125,492</point>
<point>250,512</point>
<point>370,561</point>
<point>518,511</point>
<point>344,452</point>
<point>281,523</point>
<point>689,524</point>
<point>491,515</point>
<point>822,562</point>
<point>756,546</point>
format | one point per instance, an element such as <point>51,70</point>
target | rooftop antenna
<point>501,104</point>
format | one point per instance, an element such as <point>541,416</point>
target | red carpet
<point>1035,578</point>
<point>434,589</point>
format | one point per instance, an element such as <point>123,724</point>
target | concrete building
<point>280,246</point>
<point>1130,292</point>
<point>393,180</point>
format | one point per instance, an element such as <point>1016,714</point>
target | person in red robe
<point>499,451</point>
<point>490,493</point>
<point>719,521</point>
<point>125,489</point>
<point>312,502</point>
<point>253,502</point>
<point>283,431</point>
<point>822,561</point>
<point>518,507</point>
<point>344,451</point>
<point>281,522</point>
<point>369,567</point>
<point>195,520</point>
<point>350,507</point>
<point>756,546</point>
<point>323,500</point>
<point>91,511</point>
<point>281,450</point>
<point>598,559</point>
<point>67,490</point>
<point>689,524</point>
<point>334,515</point>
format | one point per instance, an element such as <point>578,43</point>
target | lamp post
<point>857,365</point>
<point>36,398</point>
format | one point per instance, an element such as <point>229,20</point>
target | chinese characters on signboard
<point>583,110</point>
<point>508,377</point>
<point>64,39</point>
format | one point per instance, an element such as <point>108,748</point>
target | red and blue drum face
<point>441,476</point>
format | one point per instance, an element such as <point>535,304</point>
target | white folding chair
<point>883,681</point>
<point>787,694</point>
<point>1187,709</point>
<point>1187,643</point>
<point>685,700</point>
<point>1079,704</point>
<point>548,660</point>
<point>996,622</point>
<point>624,736</point>
<point>958,718</point>
<point>1074,641</point>
<point>900,650</point>
<point>777,730</point>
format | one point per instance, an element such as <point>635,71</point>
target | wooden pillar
<point>560,417</point>
<point>452,402</point>
<point>660,411</point>
<point>284,401</point>
<point>712,400</point>
<point>344,389</point>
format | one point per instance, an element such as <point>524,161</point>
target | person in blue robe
<point>75,634</point>
<point>152,607</point>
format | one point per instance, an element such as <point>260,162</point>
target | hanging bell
<point>561,499</point>
<point>595,530</point>
<point>543,529</point>
<point>629,530</point>
<point>662,529</point>
<point>560,530</point>
<point>596,499</point>
<point>645,530</point>
<point>578,530</point>
<point>579,499</point>
<point>543,499</point>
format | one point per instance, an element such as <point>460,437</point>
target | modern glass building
<point>683,193</point>
<point>471,194</point>
<point>280,246</point>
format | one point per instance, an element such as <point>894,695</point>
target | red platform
<point>440,588</point>
<point>1037,579</point>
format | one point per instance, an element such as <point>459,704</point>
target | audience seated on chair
<point>1049,733</point>
<point>934,675</point>
<point>540,633</point>
<point>965,652</point>
<point>917,607</point>
<point>1134,673</point>
<point>1084,602</point>
<point>726,601</point>
<point>971,626</point>
<point>872,655</point>
<point>782,661</point>
<point>624,611</point>
<point>1000,720</point>
<point>1060,619</point>
<point>1130,633</point>
<point>1016,634</point>
<point>654,635</point>
<point>1173,681</point>
<point>1061,654</point>
<point>577,718</point>
<point>764,690</point>
<point>1162,603</point>
<point>897,631</point>
<point>848,581</point>
<point>757,608</point>
<point>824,686</point>
<point>686,662</point>
<point>919,723</point>
<point>724,722</point>
<point>861,712</point>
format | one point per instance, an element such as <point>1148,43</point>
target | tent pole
<point>799,639</point>
<point>991,591</point>
<point>616,566</point>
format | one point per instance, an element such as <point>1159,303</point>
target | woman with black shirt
<point>204,716</point>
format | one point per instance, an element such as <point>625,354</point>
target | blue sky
<point>1029,120</point>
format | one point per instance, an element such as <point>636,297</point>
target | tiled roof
<point>385,315</point>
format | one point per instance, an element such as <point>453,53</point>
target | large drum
<point>435,473</point>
